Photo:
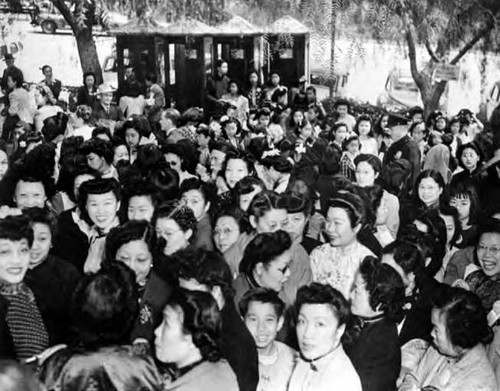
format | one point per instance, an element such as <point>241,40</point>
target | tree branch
<point>433,55</point>
<point>412,54</point>
<point>66,13</point>
<point>469,45</point>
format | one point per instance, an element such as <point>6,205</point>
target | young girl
<point>463,197</point>
<point>453,236</point>
<point>364,129</point>
<point>351,150</point>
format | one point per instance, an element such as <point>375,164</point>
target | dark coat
<point>7,350</point>
<point>216,87</point>
<point>238,347</point>
<point>53,283</point>
<point>405,148</point>
<point>376,355</point>
<point>69,242</point>
<point>114,114</point>
<point>84,98</point>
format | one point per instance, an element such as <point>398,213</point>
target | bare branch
<point>469,45</point>
<point>433,55</point>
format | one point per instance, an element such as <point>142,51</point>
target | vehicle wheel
<point>48,27</point>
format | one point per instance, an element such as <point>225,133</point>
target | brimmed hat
<point>105,88</point>
<point>8,56</point>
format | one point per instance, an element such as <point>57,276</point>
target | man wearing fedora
<point>9,61</point>
<point>105,112</point>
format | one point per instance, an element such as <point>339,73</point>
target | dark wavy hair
<point>279,163</point>
<point>101,148</point>
<point>207,190</point>
<point>139,188</point>
<point>464,190</point>
<point>166,182</point>
<point>139,123</point>
<point>264,248</point>
<point>352,204</point>
<point>149,158</point>
<point>105,306</point>
<point>362,118</point>
<point>265,201</point>
<point>16,228</point>
<point>372,160</point>
<point>261,295</point>
<point>317,293</point>
<point>43,216</point>
<point>230,121</point>
<point>465,317</point>
<point>245,186</point>
<point>206,267</point>
<point>126,233</point>
<point>299,203</point>
<point>474,147</point>
<point>239,155</point>
<point>201,319</point>
<point>385,287</point>
<point>407,255</point>
<point>446,210</point>
<point>437,177</point>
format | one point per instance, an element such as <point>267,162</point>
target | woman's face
<point>121,153</point>
<point>384,121</point>
<point>102,209</point>
<point>360,298</point>
<point>140,207</point>
<point>233,88</point>
<point>236,169</point>
<point>306,131</point>
<point>29,195</point>
<point>450,228</point>
<point>176,239</point>
<point>136,255</point>
<point>14,260</point>
<point>462,204</point>
<point>254,79</point>
<point>174,161</point>
<point>196,202</point>
<point>429,191</point>
<point>275,80</point>
<point>96,162</point>
<point>132,137</point>
<point>440,335</point>
<point>339,229</point>
<point>341,134</point>
<point>42,242</point>
<point>226,233</point>
<point>89,81</point>
<point>488,253</point>
<point>272,221</point>
<point>470,159</point>
<point>418,134</point>
<point>353,147</point>
<point>296,223</point>
<point>441,124</point>
<point>4,163</point>
<point>172,345</point>
<point>217,160</point>
<point>365,174</point>
<point>231,129</point>
<point>364,128</point>
<point>275,273</point>
<point>382,213</point>
<point>455,128</point>
<point>298,117</point>
<point>318,330</point>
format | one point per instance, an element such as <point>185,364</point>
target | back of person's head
<point>207,267</point>
<point>406,255</point>
<point>101,130</point>
<point>17,377</point>
<point>166,182</point>
<point>173,115</point>
<point>316,293</point>
<point>464,316</point>
<point>149,158</point>
<point>55,126</point>
<point>201,319</point>
<point>279,163</point>
<point>329,163</point>
<point>264,248</point>
<point>105,306</point>
<point>296,203</point>
<point>264,296</point>
<point>264,202</point>
<point>396,177</point>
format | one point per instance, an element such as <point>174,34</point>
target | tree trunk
<point>87,51</point>
<point>335,7</point>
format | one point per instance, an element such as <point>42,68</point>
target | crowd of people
<point>265,243</point>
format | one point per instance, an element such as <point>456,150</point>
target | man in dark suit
<point>403,146</point>
<point>217,85</point>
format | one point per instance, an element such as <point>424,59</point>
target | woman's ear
<point>253,222</point>
<point>259,268</point>
<point>188,234</point>
<point>357,228</point>
<point>207,206</point>
<point>281,321</point>
<point>377,174</point>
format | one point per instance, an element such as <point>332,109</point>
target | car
<point>18,6</point>
<point>401,92</point>
<point>320,79</point>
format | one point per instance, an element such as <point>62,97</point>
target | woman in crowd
<point>322,315</point>
<point>364,129</point>
<point>336,263</point>
<point>100,155</point>
<point>266,264</point>
<point>19,108</point>
<point>51,279</point>
<point>176,157</point>
<point>18,307</point>
<point>100,357</point>
<point>457,359</point>
<point>377,301</point>
<point>187,339</point>
<point>45,107</point>
<point>464,197</point>
<point>230,224</point>
<point>234,97</point>
<point>175,227</point>
<point>87,93</point>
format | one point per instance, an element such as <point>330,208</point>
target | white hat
<point>105,88</point>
